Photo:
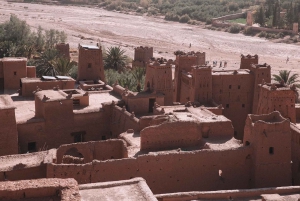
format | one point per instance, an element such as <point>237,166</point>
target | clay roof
<point>133,189</point>
<point>22,161</point>
<point>51,95</point>
<point>232,72</point>
<point>36,80</point>
<point>90,47</point>
<point>273,117</point>
<point>6,102</point>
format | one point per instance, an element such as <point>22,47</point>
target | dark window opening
<point>229,86</point>
<point>271,150</point>
<point>76,102</point>
<point>15,73</point>
<point>227,105</point>
<point>151,104</point>
<point>31,147</point>
<point>89,65</point>
<point>247,143</point>
<point>243,105</point>
<point>239,87</point>
<point>103,137</point>
<point>78,136</point>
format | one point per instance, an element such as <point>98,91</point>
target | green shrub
<point>248,31</point>
<point>184,19</point>
<point>262,34</point>
<point>172,17</point>
<point>234,28</point>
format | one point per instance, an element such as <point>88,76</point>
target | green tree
<point>63,66</point>
<point>276,14</point>
<point>45,63</point>
<point>139,76</point>
<point>285,77</point>
<point>260,16</point>
<point>115,58</point>
<point>290,16</point>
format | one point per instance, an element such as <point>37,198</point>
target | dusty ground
<point>129,31</point>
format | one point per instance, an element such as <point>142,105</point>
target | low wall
<point>100,150</point>
<point>230,17</point>
<point>168,172</point>
<point>64,189</point>
<point>224,195</point>
<point>122,121</point>
<point>171,135</point>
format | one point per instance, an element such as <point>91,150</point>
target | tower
<point>270,138</point>
<point>184,62</point>
<point>277,98</point>
<point>159,79</point>
<point>142,56</point>
<point>247,61</point>
<point>260,73</point>
<point>90,63</point>
<point>201,84</point>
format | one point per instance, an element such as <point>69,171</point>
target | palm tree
<point>285,78</point>
<point>63,66</point>
<point>139,75</point>
<point>115,58</point>
<point>45,64</point>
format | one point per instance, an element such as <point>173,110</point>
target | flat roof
<point>13,59</point>
<point>93,47</point>
<point>35,80</point>
<point>231,72</point>
<point>133,189</point>
<point>6,102</point>
<point>22,161</point>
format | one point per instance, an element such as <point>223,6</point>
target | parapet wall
<point>98,150</point>
<point>122,121</point>
<point>171,135</point>
<point>169,172</point>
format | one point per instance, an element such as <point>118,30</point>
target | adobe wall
<point>90,64</point>
<point>235,93</point>
<point>62,189</point>
<point>64,50</point>
<point>185,90</point>
<point>31,71</point>
<point>297,108</point>
<point>202,84</point>
<point>8,132</point>
<point>29,87</point>
<point>270,137</point>
<point>121,121</point>
<point>152,120</point>
<point>1,69</point>
<point>281,99</point>
<point>171,135</point>
<point>248,60</point>
<point>295,138</point>
<point>13,71</point>
<point>97,150</point>
<point>140,104</point>
<point>166,173</point>
<point>21,173</point>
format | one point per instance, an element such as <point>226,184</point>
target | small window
<point>31,147</point>
<point>239,87</point>
<point>229,86</point>
<point>227,105</point>
<point>89,65</point>
<point>78,136</point>
<point>271,150</point>
<point>15,73</point>
<point>247,143</point>
<point>243,105</point>
<point>103,137</point>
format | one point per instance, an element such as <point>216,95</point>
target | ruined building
<point>142,56</point>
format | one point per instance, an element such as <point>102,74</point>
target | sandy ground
<point>129,31</point>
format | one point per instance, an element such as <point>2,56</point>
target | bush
<point>172,17</point>
<point>234,28</point>
<point>233,6</point>
<point>184,19</point>
<point>262,34</point>
<point>248,31</point>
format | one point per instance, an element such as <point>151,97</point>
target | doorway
<point>151,104</point>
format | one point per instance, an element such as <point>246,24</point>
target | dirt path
<point>129,31</point>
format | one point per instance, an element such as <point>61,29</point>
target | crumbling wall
<point>121,121</point>
<point>170,135</point>
<point>21,172</point>
<point>99,150</point>
<point>166,173</point>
